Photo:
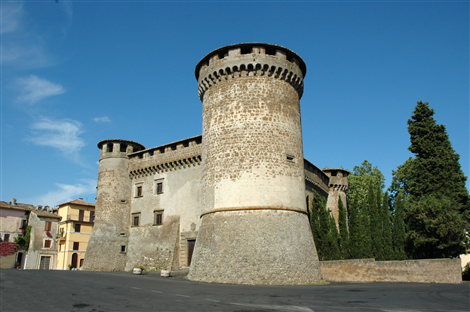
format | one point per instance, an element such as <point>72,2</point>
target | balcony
<point>60,236</point>
<point>81,218</point>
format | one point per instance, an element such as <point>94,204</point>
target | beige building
<point>74,232</point>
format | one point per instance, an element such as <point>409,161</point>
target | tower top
<point>250,59</point>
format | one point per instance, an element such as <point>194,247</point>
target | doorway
<point>74,260</point>
<point>45,263</point>
<point>191,244</point>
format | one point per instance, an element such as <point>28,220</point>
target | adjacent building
<point>42,251</point>
<point>74,232</point>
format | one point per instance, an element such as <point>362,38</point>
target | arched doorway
<point>74,260</point>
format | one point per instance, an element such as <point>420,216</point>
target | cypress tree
<point>343,230</point>
<point>387,229</point>
<point>355,242</point>
<point>333,239</point>
<point>372,227</point>
<point>377,235</point>
<point>315,222</point>
<point>399,227</point>
<point>435,180</point>
<point>364,235</point>
<point>324,230</point>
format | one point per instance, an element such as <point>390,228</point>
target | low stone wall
<point>413,271</point>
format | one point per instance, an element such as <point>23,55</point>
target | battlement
<point>316,176</point>
<point>113,148</point>
<point>338,178</point>
<point>168,157</point>
<point>250,59</point>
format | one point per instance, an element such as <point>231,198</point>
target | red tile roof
<point>78,202</point>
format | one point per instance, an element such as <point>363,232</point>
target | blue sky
<point>75,73</point>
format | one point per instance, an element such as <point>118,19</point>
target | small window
<point>290,158</point>
<point>92,216</point>
<point>159,187</point>
<point>78,227</point>
<point>23,225</point>
<point>6,237</point>
<point>76,245</point>
<point>47,243</point>
<point>158,217</point>
<point>139,190</point>
<point>123,249</point>
<point>48,226</point>
<point>135,219</point>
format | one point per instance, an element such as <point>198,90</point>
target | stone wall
<point>414,271</point>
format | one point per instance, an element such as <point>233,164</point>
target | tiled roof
<point>78,202</point>
<point>43,213</point>
<point>8,249</point>
<point>18,206</point>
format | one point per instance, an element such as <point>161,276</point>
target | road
<point>40,290</point>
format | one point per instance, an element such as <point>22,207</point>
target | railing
<point>60,235</point>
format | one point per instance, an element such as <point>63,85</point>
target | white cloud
<point>60,134</point>
<point>34,89</point>
<point>11,16</point>
<point>67,192</point>
<point>101,119</point>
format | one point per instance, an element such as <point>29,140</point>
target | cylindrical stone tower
<point>254,224</point>
<point>107,247</point>
<point>338,187</point>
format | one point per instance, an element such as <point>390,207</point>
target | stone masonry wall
<point>415,271</point>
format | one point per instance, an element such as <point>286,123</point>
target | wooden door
<point>74,260</point>
<point>191,244</point>
<point>44,263</point>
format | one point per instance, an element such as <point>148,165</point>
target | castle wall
<point>415,271</point>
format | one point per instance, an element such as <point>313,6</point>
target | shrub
<point>466,272</point>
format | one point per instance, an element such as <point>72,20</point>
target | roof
<point>326,168</point>
<point>17,206</point>
<point>43,213</point>
<point>78,202</point>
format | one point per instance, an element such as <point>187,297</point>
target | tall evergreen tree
<point>315,223</point>
<point>355,241</point>
<point>333,239</point>
<point>377,228</point>
<point>399,227</point>
<point>343,230</point>
<point>324,230</point>
<point>436,185</point>
<point>387,229</point>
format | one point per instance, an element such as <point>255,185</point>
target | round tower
<point>338,186</point>
<point>107,247</point>
<point>254,224</point>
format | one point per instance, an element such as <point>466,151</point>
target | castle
<point>231,203</point>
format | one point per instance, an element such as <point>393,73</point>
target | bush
<point>466,272</point>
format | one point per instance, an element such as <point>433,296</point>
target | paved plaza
<point>80,291</point>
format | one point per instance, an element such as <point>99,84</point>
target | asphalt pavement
<point>81,291</point>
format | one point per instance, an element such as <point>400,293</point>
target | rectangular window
<point>123,249</point>
<point>23,225</point>
<point>77,227</point>
<point>6,237</point>
<point>48,226</point>
<point>76,245</point>
<point>47,243</point>
<point>81,214</point>
<point>135,219</point>
<point>159,187</point>
<point>92,216</point>
<point>139,189</point>
<point>158,217</point>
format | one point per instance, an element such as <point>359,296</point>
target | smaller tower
<point>338,186</point>
<point>107,247</point>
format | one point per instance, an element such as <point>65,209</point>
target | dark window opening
<point>135,220</point>
<point>92,216</point>
<point>290,158</point>
<point>333,173</point>
<point>6,237</point>
<point>158,218</point>
<point>81,214</point>
<point>123,249</point>
<point>245,50</point>
<point>77,227</point>
<point>109,147</point>
<point>159,187</point>
<point>23,225</point>
<point>270,51</point>
<point>139,191</point>
<point>76,245</point>
<point>47,243</point>
<point>123,148</point>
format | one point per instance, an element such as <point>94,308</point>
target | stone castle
<point>231,204</point>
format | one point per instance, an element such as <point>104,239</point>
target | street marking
<point>212,300</point>
<point>160,292</point>
<point>183,296</point>
<point>275,307</point>
<point>136,287</point>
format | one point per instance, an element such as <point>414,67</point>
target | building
<point>232,203</point>
<point>13,222</point>
<point>74,232</point>
<point>42,251</point>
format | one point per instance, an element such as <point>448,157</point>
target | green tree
<point>324,230</point>
<point>315,222</point>
<point>333,239</point>
<point>355,241</point>
<point>375,221</point>
<point>343,230</point>
<point>436,185</point>
<point>27,237</point>
<point>387,229</point>
<point>399,227</point>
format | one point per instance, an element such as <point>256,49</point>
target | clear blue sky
<point>75,73</point>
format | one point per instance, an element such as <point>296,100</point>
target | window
<point>23,225</point>
<point>159,187</point>
<point>135,219</point>
<point>77,227</point>
<point>123,249</point>
<point>139,190</point>
<point>76,245</point>
<point>290,158</point>
<point>47,243</point>
<point>48,226</point>
<point>92,216</point>
<point>6,237</point>
<point>158,217</point>
<point>81,214</point>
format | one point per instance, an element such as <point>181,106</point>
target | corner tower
<point>338,186</point>
<point>107,247</point>
<point>254,225</point>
